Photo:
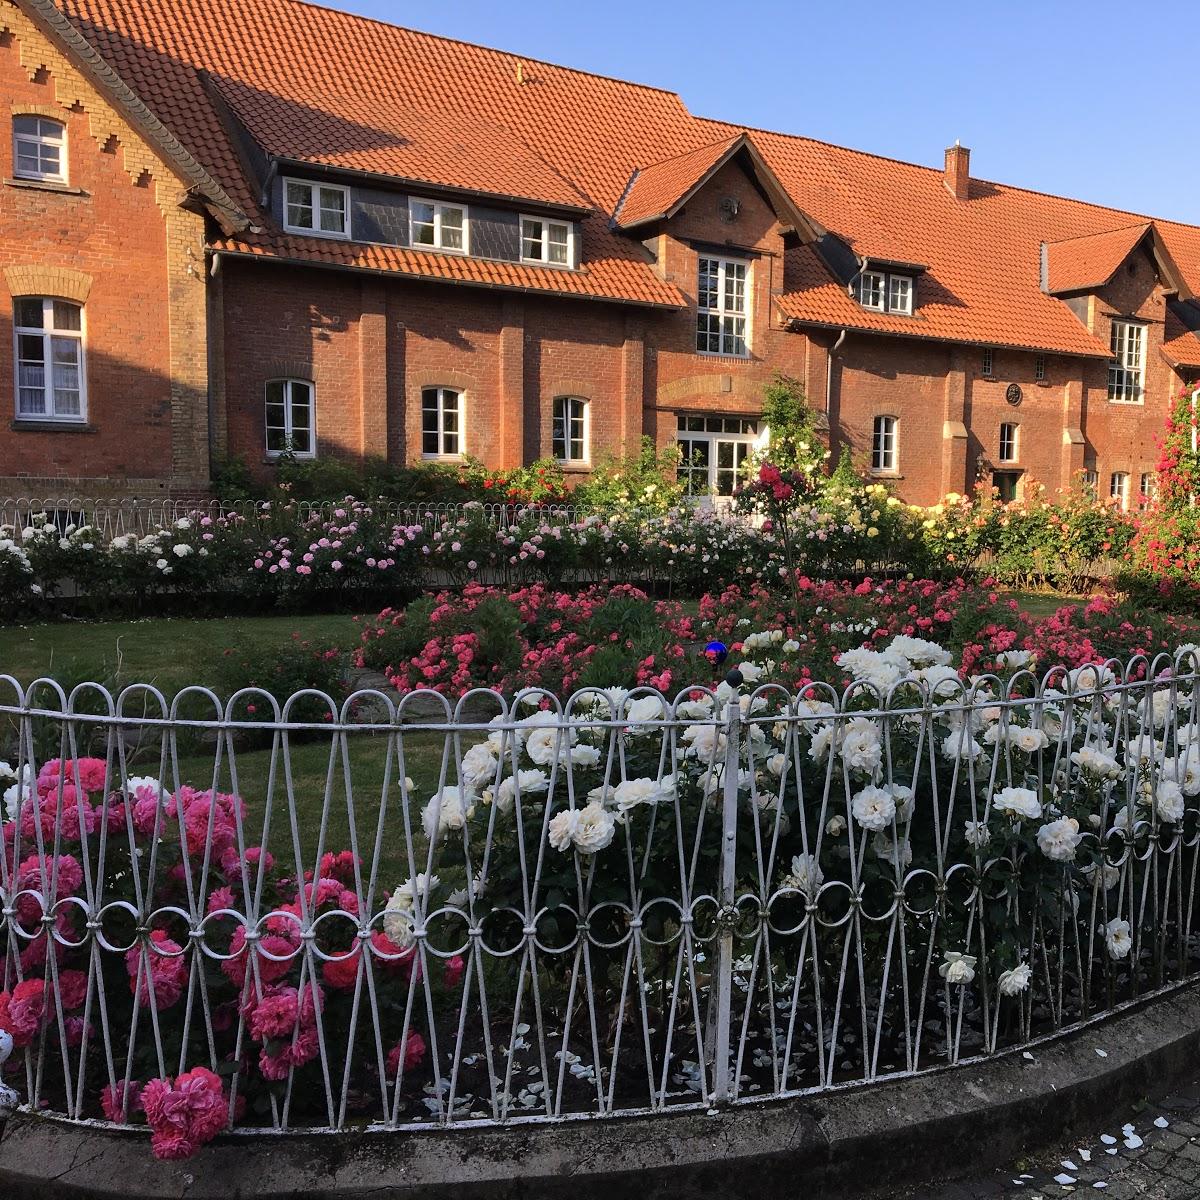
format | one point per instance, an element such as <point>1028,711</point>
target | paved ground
<point>1150,1151</point>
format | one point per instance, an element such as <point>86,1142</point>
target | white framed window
<point>291,418</point>
<point>1125,372</point>
<point>900,294</point>
<point>51,375</point>
<point>1010,448</point>
<point>885,446</point>
<point>1118,488</point>
<point>438,226</point>
<point>569,431</point>
<point>1039,368</point>
<point>713,451</point>
<point>39,149</point>
<point>441,423</point>
<point>989,361</point>
<point>872,288</point>
<point>722,316</point>
<point>546,241</point>
<point>321,209</point>
<point>1147,486</point>
<point>1091,483</point>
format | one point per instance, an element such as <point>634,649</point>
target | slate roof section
<point>588,134</point>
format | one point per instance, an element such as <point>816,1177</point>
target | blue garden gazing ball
<point>716,653</point>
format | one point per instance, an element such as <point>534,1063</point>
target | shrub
<point>645,481</point>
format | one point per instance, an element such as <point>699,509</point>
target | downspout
<point>841,337</point>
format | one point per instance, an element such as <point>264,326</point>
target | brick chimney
<point>958,171</point>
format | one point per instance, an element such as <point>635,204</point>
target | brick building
<point>270,226</point>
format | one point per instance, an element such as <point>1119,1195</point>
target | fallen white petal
<point>1111,1150</point>
<point>1102,1053</point>
<point>1161,1122</point>
<point>1066,1162</point>
<point>1108,1139</point>
<point>1132,1142</point>
<point>1086,1155</point>
<point>1026,1054</point>
<point>1099,1184</point>
<point>1064,1179</point>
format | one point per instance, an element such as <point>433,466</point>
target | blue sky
<point>1095,101</point>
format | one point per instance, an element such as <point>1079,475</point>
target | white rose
<point>594,828</point>
<point>1118,939</point>
<point>1018,802</point>
<point>806,875</point>
<point>704,740</point>
<point>478,767</point>
<point>1058,840</point>
<point>977,834</point>
<point>861,748</point>
<point>182,550</point>
<point>561,830</point>
<point>584,756</point>
<point>529,783</point>
<point>1168,801</point>
<point>1015,981</point>
<point>751,672</point>
<point>645,708</point>
<point>631,793</point>
<point>1029,741</point>
<point>873,808</point>
<point>836,826</point>
<point>543,745</point>
<point>957,968</point>
<point>446,810</point>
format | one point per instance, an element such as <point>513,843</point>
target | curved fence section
<point>532,909</point>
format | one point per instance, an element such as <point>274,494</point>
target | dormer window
<point>900,293</point>
<point>545,241</point>
<point>722,325</point>
<point>1126,370</point>
<point>438,226</point>
<point>882,292</point>
<point>318,209</point>
<point>39,149</point>
<point>871,285</point>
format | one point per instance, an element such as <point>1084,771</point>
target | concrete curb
<point>860,1141</point>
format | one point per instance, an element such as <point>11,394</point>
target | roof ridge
<point>1083,237</point>
<point>529,58</point>
<point>662,162</point>
<point>904,162</point>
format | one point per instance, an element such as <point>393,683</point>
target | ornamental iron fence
<point>399,914</point>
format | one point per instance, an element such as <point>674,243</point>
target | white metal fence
<point>614,903</point>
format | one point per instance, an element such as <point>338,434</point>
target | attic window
<point>39,149</point>
<point>318,209</point>
<point>546,241</point>
<point>882,292</point>
<point>438,226</point>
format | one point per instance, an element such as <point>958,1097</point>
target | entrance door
<point>713,451</point>
<point>1008,483</point>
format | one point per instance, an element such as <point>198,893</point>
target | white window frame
<point>544,240</point>
<point>441,432</point>
<point>878,286</point>
<point>902,304</point>
<point>289,418</point>
<point>315,188</point>
<point>711,429</point>
<point>1118,488</point>
<point>38,140</point>
<point>885,444</point>
<point>47,333</point>
<point>1147,485</point>
<point>989,362</point>
<point>1127,371</point>
<point>1039,369</point>
<point>584,417</point>
<point>1010,442</point>
<point>726,316</point>
<point>439,207</point>
<point>1091,480</point>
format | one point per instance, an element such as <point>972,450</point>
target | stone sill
<point>42,185</point>
<point>19,426</point>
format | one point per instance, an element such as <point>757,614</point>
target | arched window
<point>51,381</point>
<point>441,423</point>
<point>569,434</point>
<point>885,446</point>
<point>39,149</point>
<point>291,418</point>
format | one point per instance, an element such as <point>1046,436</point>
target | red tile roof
<point>1083,263</point>
<point>1181,344</point>
<point>983,254</point>
<point>658,189</point>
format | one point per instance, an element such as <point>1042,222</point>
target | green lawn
<point>170,652</point>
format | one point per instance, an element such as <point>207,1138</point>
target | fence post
<point>722,974</point>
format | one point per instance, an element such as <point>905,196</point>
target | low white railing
<point>369,912</point>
